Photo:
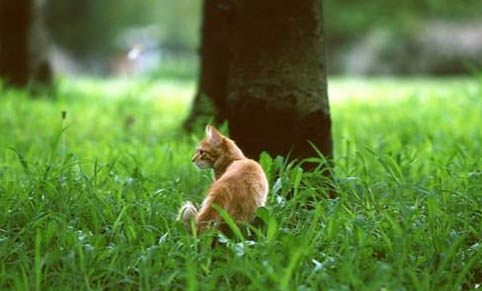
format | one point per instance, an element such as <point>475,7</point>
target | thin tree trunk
<point>210,99</point>
<point>278,97</point>
<point>23,43</point>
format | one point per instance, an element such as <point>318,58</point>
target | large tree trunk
<point>23,43</point>
<point>210,99</point>
<point>277,99</point>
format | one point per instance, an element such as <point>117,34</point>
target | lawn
<point>89,201</point>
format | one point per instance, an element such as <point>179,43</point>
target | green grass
<point>89,201</point>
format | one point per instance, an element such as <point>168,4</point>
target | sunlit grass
<point>89,201</point>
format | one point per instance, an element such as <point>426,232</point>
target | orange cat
<point>240,185</point>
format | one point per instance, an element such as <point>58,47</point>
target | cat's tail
<point>187,211</point>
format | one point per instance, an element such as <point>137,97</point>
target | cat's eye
<point>200,152</point>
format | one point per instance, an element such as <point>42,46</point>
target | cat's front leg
<point>187,211</point>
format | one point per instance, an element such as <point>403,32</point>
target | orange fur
<point>240,185</point>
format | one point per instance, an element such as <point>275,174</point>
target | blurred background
<point>118,37</point>
<point>161,37</point>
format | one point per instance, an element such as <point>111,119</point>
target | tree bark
<point>23,43</point>
<point>278,98</point>
<point>210,99</point>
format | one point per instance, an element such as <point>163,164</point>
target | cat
<point>240,186</point>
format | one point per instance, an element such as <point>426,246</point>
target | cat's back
<point>246,170</point>
<point>244,178</point>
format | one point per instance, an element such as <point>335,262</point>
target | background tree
<point>23,43</point>
<point>272,77</point>
<point>216,27</point>
<point>278,97</point>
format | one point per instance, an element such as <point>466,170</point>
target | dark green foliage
<point>93,28</point>
<point>350,19</point>
<point>90,27</point>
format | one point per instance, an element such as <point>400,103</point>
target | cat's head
<point>215,149</point>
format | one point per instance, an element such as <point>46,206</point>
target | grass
<point>89,201</point>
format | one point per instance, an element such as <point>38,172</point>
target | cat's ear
<point>208,130</point>
<point>213,135</point>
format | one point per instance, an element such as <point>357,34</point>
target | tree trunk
<point>23,43</point>
<point>210,99</point>
<point>278,99</point>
